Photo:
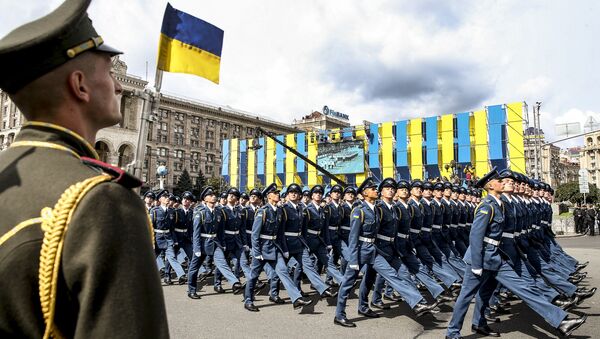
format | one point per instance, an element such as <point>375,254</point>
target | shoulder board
<point>119,176</point>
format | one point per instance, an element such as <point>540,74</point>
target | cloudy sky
<point>376,60</point>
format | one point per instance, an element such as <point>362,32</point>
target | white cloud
<point>375,60</point>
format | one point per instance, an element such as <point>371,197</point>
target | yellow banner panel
<point>290,160</point>
<point>514,128</point>
<point>234,161</point>
<point>360,134</point>
<point>387,150</point>
<point>416,148</point>
<point>313,177</point>
<point>447,146</point>
<point>251,166</point>
<point>270,162</point>
<point>482,150</point>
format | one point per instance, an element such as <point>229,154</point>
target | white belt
<point>536,227</point>
<point>425,229</point>
<point>367,240</point>
<point>437,227</point>
<point>313,232</point>
<point>293,234</point>
<point>268,237</point>
<point>415,231</point>
<point>469,224</point>
<point>454,225</point>
<point>345,228</point>
<point>180,230</point>
<point>462,225</point>
<point>161,231</point>
<point>248,231</point>
<point>517,234</point>
<point>491,241</point>
<point>403,236</point>
<point>232,232</point>
<point>208,235</point>
<point>333,228</point>
<point>508,235</point>
<point>524,231</point>
<point>383,237</point>
<point>545,223</point>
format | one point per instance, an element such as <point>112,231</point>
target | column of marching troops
<point>403,240</point>
<point>586,218</point>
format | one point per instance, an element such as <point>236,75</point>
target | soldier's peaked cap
<point>368,183</point>
<point>208,190</point>
<point>294,188</point>
<point>316,189</point>
<point>272,188</point>
<point>234,191</point>
<point>37,47</point>
<point>337,188</point>
<point>256,192</point>
<point>350,189</point>
<point>491,175</point>
<point>388,182</point>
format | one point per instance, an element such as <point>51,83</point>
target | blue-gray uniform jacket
<point>364,225</point>
<point>184,228</point>
<point>267,233</point>
<point>416,222</point>
<point>508,244</point>
<point>454,231</point>
<point>292,227</point>
<point>488,225</point>
<point>447,221</point>
<point>163,222</point>
<point>345,222</point>
<point>334,220</point>
<point>427,232</point>
<point>470,212</point>
<point>388,228</point>
<point>208,230</point>
<point>248,221</point>
<point>233,228</point>
<point>315,228</point>
<point>462,221</point>
<point>437,217</point>
<point>405,215</point>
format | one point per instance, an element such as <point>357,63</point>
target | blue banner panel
<point>374,151</point>
<point>243,165</point>
<point>431,141</point>
<point>225,160</point>
<point>402,149</point>
<point>496,123</point>
<point>301,164</point>
<point>260,161</point>
<point>280,159</point>
<point>464,139</point>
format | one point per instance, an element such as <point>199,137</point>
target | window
<point>209,170</point>
<point>195,143</point>
<point>181,116</point>
<point>195,155</point>
<point>195,168</point>
<point>210,134</point>
<point>175,178</point>
<point>224,136</point>
<point>178,166</point>
<point>195,131</point>
<point>179,154</point>
<point>211,123</point>
<point>196,120</point>
<point>163,113</point>
<point>179,128</point>
<point>163,126</point>
<point>225,126</point>
<point>210,145</point>
<point>249,130</point>
<point>162,152</point>
<point>163,139</point>
<point>210,157</point>
<point>237,128</point>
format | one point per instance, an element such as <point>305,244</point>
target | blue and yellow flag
<point>189,45</point>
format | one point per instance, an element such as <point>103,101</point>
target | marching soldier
<point>335,216</point>
<point>486,265</point>
<point>184,227</point>
<point>347,205</point>
<point>91,274</point>
<point>296,244</point>
<point>316,232</point>
<point>269,248</point>
<point>149,198</point>
<point>163,221</point>
<point>363,254</point>
<point>207,242</point>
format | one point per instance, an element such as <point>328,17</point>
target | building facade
<point>187,134</point>
<point>590,157</point>
<point>319,121</point>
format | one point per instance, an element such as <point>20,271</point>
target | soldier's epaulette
<point>119,175</point>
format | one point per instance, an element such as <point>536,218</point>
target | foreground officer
<point>96,276</point>
<point>269,248</point>
<point>486,264</point>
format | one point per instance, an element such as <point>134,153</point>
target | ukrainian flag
<point>189,45</point>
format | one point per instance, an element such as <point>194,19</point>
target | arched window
<point>103,150</point>
<point>125,155</point>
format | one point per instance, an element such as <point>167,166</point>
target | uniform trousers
<point>486,284</point>
<point>279,266</point>
<point>220,262</point>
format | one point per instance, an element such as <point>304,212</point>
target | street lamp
<point>162,171</point>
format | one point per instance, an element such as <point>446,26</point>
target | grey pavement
<point>223,315</point>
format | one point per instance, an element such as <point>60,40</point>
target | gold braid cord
<point>54,225</point>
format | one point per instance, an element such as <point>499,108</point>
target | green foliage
<point>218,183</point>
<point>570,192</point>
<point>200,184</point>
<point>184,183</point>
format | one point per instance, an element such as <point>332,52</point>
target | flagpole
<point>151,97</point>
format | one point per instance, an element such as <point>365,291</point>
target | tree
<point>218,183</point>
<point>184,183</point>
<point>570,192</point>
<point>200,184</point>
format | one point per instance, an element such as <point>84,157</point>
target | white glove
<point>286,255</point>
<point>478,272</point>
<point>260,257</point>
<point>329,247</point>
<point>246,248</point>
<point>198,254</point>
<point>354,267</point>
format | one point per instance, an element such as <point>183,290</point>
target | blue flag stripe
<point>192,31</point>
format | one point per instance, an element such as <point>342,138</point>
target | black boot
<point>485,331</point>
<point>567,326</point>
